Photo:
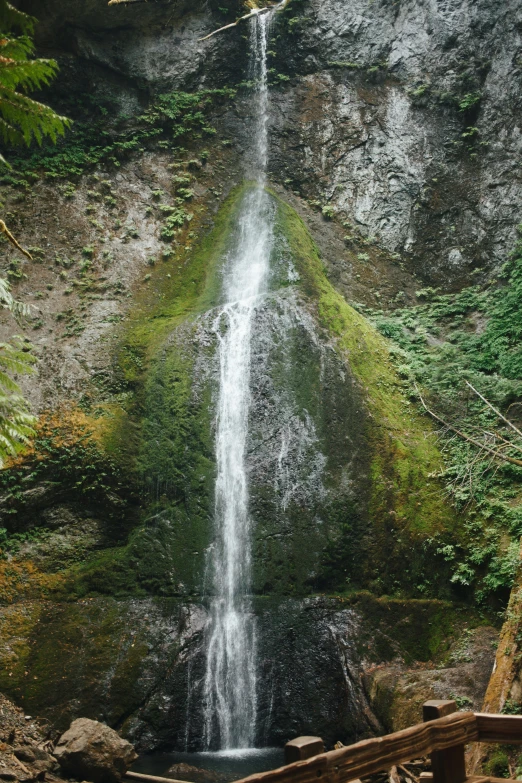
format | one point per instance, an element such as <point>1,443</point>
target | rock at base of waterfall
<point>194,774</point>
<point>92,751</point>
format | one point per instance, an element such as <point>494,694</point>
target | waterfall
<point>230,696</point>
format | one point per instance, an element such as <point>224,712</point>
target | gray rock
<point>93,751</point>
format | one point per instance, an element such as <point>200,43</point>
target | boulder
<point>92,751</point>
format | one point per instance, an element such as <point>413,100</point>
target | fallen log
<point>151,778</point>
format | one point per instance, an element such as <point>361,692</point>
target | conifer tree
<point>22,120</point>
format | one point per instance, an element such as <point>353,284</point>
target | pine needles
<point>23,119</point>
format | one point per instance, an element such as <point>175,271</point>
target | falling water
<point>230,679</point>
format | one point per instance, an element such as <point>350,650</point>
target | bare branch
<point>509,423</point>
<point>255,12</point>
<point>13,241</point>
<point>504,441</point>
<point>125,2</point>
<point>463,435</point>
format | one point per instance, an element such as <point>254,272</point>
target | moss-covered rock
<point>341,499</point>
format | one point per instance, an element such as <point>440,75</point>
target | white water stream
<point>230,695</point>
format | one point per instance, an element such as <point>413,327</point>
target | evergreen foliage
<point>22,118</point>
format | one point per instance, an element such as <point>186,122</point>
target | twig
<point>504,441</point>
<point>19,763</point>
<point>509,423</point>
<point>463,435</point>
<point>13,241</point>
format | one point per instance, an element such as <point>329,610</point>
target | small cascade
<point>230,692</point>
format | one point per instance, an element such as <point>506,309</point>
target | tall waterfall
<point>230,679</point>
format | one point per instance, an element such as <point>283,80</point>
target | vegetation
<point>168,123</point>
<point>16,421</point>
<point>443,345</point>
<point>65,452</point>
<point>406,507</point>
<point>23,119</point>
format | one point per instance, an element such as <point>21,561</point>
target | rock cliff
<point>394,145</point>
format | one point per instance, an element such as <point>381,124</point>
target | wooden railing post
<point>448,766</point>
<point>303,748</point>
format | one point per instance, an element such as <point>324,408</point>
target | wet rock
<point>397,693</point>
<point>94,751</point>
<point>194,774</point>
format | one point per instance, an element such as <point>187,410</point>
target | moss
<point>358,536</point>
<point>80,652</point>
<point>413,629</point>
<point>497,764</point>
<point>164,433</point>
<point>406,506</point>
<point>191,288</point>
<point>17,622</point>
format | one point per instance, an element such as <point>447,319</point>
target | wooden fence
<point>443,736</point>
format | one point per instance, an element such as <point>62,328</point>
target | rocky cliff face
<point>404,117</point>
<point>393,164</point>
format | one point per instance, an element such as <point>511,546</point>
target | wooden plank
<point>499,728</point>
<point>447,766</point>
<point>303,748</point>
<point>378,754</point>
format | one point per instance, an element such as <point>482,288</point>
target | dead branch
<point>463,435</point>
<point>506,443</point>
<point>509,423</point>
<point>408,774</point>
<point>13,241</point>
<point>254,12</point>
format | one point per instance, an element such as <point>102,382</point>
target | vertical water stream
<point>230,680</point>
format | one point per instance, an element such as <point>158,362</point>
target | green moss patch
<point>406,506</point>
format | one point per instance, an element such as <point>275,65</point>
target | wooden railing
<point>443,736</point>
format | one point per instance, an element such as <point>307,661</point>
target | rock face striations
<point>393,164</point>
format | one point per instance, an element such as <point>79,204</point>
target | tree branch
<point>509,423</point>
<point>463,435</point>
<point>255,12</point>
<point>13,241</point>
